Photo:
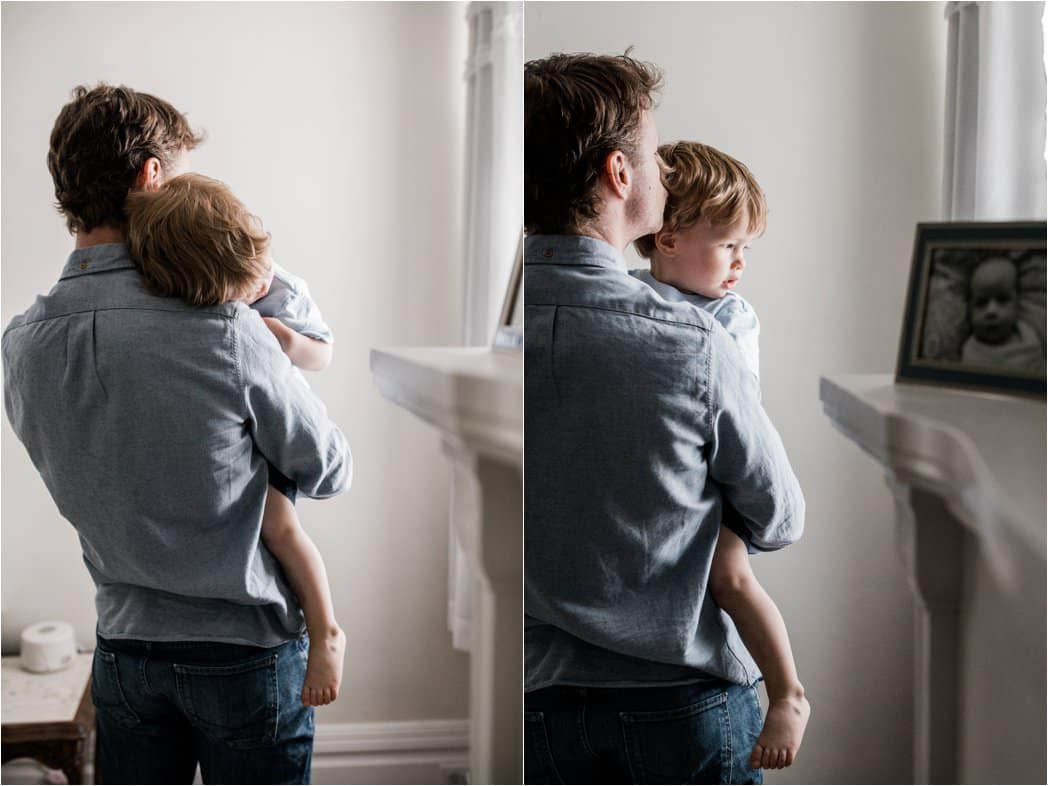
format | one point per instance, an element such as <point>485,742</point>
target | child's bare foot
<point>324,668</point>
<point>782,733</point>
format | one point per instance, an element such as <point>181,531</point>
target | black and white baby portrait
<point>985,310</point>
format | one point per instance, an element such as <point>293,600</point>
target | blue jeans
<point>699,733</point>
<point>162,707</point>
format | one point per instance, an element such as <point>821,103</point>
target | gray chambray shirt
<point>641,420</point>
<point>151,422</point>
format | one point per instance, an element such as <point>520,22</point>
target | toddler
<point>999,337</point>
<point>193,239</point>
<point>714,211</point>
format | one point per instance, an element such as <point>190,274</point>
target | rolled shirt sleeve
<point>288,423</point>
<point>747,458</point>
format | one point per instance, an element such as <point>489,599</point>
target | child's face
<point>994,300</point>
<point>260,288</point>
<point>705,259</point>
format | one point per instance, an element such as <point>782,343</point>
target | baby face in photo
<point>994,299</point>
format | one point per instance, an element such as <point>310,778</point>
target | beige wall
<point>341,126</point>
<point>837,109</point>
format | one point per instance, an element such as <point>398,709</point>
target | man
<point>644,431</point>
<point>151,423</point>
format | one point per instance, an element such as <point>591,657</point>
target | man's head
<point>994,299</point>
<point>193,239</point>
<point>105,142</point>
<point>590,139</point>
<point>714,211</point>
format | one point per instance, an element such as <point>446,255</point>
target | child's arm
<point>307,353</point>
<point>304,568</point>
<point>737,591</point>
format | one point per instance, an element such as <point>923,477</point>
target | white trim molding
<point>421,751</point>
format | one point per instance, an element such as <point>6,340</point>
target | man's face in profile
<point>648,196</point>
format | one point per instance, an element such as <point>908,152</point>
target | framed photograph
<point>975,309</point>
<point>510,331</point>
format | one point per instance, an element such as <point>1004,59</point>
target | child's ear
<point>666,242</point>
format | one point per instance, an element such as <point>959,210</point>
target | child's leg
<point>304,568</point>
<point>737,592</point>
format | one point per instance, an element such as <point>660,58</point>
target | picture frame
<point>509,334</point>
<point>975,307</point>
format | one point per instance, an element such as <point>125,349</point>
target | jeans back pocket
<point>236,704</point>
<point>539,766</point>
<point>688,744</point>
<point>106,691</point>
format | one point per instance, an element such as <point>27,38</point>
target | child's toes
<point>756,756</point>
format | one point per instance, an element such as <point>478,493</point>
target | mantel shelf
<point>983,454</point>
<point>967,473</point>
<point>472,394</point>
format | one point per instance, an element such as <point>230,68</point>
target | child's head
<point>994,299</point>
<point>714,210</point>
<point>193,239</point>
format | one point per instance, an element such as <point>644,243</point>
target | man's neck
<point>98,236</point>
<point>616,237</point>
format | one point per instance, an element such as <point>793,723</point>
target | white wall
<point>837,109</point>
<point>341,126</point>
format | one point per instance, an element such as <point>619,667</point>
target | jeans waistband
<point>196,650</point>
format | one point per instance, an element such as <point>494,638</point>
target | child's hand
<point>307,353</point>
<point>283,333</point>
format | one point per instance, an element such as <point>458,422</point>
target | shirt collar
<point>571,250</point>
<point>97,259</point>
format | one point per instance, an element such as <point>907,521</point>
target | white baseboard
<point>424,751</point>
<point>395,752</point>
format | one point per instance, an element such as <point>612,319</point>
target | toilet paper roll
<point>48,646</point>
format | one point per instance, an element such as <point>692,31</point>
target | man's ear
<point>617,174</point>
<point>150,176</point>
<point>666,242</point>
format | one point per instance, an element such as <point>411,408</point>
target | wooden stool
<point>49,717</point>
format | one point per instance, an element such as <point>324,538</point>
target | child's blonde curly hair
<point>707,185</point>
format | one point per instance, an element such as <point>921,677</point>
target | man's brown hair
<point>704,184</point>
<point>578,109</point>
<point>193,239</point>
<point>99,143</point>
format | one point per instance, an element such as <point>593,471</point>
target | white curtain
<point>994,168</point>
<point>494,212</point>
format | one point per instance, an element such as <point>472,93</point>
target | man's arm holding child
<point>288,423</point>
<point>748,461</point>
<point>310,354</point>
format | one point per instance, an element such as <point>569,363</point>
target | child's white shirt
<point>289,301</point>
<point>732,311</point>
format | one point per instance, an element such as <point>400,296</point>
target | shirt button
<point>83,266</point>
<point>547,253</point>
